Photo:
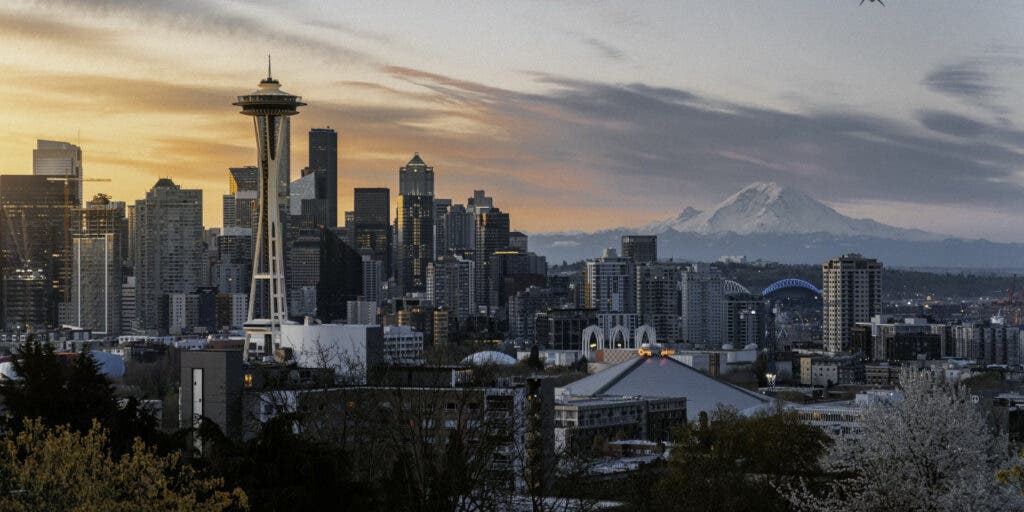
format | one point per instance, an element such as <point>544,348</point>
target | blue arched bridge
<point>789,283</point>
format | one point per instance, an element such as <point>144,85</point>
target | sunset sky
<point>573,115</point>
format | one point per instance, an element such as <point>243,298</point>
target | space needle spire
<point>271,109</point>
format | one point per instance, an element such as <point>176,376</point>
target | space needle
<point>270,108</point>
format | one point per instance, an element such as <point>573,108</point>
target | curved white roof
<point>109,364</point>
<point>489,357</point>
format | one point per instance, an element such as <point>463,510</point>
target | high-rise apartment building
<point>492,228</point>
<point>96,285</point>
<point>658,298</point>
<point>450,284</point>
<point>640,248</point>
<point>610,283</point>
<point>99,254</point>
<point>523,308</point>
<point>851,292</point>
<point>746,319</point>
<point>702,305</point>
<point>459,229</point>
<point>323,156</point>
<point>441,209</point>
<point>170,256</point>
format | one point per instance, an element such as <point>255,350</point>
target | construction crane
<point>1012,302</point>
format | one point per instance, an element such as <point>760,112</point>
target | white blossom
<point>932,451</point>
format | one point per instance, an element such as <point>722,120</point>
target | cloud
<point>230,20</point>
<point>605,49</point>
<point>621,143</point>
<point>963,80</point>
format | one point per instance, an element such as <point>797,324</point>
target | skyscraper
<point>96,284</point>
<point>416,178</point>
<point>241,209</point>
<point>169,255</point>
<point>492,228</point>
<point>371,224</point>
<point>60,159</point>
<point>415,241</point>
<point>415,222</point>
<point>702,305</point>
<point>55,160</point>
<point>32,246</point>
<point>657,298</point>
<point>450,285</point>
<point>640,248</point>
<point>271,110</point>
<point>851,292</point>
<point>610,284</point>
<point>323,155</point>
<point>99,255</point>
<point>441,209</point>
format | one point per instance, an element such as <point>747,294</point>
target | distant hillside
<point>896,283</point>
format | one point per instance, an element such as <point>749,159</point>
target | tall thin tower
<point>271,108</point>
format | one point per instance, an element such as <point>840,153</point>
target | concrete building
<point>523,308</point>
<point>851,293</point>
<point>562,329</point>
<point>610,284</point>
<point>518,241</point>
<point>746,319</point>
<point>169,255</point>
<point>351,350</point>
<point>640,248</point>
<point>492,229</point>
<point>702,305</point>
<point>96,285</point>
<point>658,298</point>
<point>402,344</point>
<point>362,312</point>
<point>451,284</point>
<point>128,314</point>
<point>578,422</point>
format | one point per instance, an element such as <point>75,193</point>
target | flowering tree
<point>61,469</point>
<point>932,451</point>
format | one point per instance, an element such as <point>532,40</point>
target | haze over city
<point>585,116</point>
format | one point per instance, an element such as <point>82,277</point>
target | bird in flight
<point>872,1</point>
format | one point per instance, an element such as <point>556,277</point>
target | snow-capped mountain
<point>769,208</point>
<point>765,220</point>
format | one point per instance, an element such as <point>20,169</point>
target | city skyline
<point>612,129</point>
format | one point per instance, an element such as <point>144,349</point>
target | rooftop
<point>662,377</point>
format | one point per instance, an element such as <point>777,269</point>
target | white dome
<point>109,364</point>
<point>7,370</point>
<point>489,357</point>
<point>750,346</point>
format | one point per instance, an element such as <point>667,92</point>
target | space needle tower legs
<point>271,109</point>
